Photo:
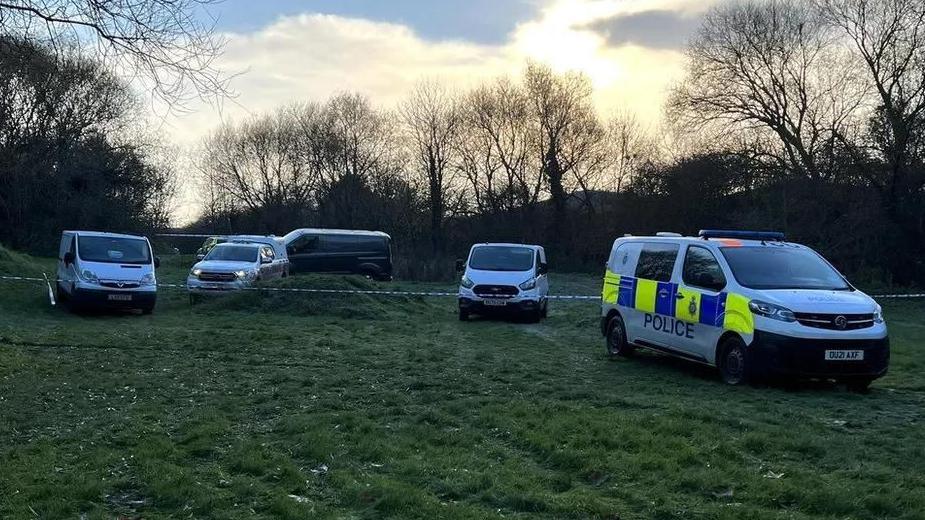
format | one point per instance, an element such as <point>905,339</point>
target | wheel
<point>535,316</point>
<point>860,386</point>
<point>616,338</point>
<point>60,294</point>
<point>463,314</point>
<point>147,310</point>
<point>733,362</point>
<point>193,299</point>
<point>545,313</point>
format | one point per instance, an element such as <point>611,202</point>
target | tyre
<point>148,309</point>
<point>534,316</point>
<point>860,386</point>
<point>60,294</point>
<point>463,315</point>
<point>733,362</point>
<point>193,299</point>
<point>545,313</point>
<point>617,346</point>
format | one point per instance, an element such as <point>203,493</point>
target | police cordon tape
<point>380,293</point>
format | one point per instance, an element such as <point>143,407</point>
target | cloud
<point>660,29</point>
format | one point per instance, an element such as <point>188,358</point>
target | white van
<point>231,266</point>
<point>748,303</point>
<point>106,270</point>
<point>504,277</point>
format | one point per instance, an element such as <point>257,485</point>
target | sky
<point>287,51</point>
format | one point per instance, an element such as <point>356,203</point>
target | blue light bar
<point>774,236</point>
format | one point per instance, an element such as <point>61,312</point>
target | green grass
<point>302,406</point>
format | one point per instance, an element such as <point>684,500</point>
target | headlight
<point>195,272</point>
<point>529,284</point>
<point>89,276</point>
<point>467,283</point>
<point>246,275</point>
<point>147,279</point>
<point>878,314</point>
<point>769,310</point>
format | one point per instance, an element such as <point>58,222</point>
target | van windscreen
<point>113,250</point>
<point>782,268</point>
<point>502,258</point>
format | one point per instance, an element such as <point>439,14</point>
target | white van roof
<point>322,231</point>
<point>507,244</point>
<point>101,234</point>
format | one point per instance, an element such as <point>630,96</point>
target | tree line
<point>803,116</point>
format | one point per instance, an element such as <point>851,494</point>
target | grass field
<point>301,406</point>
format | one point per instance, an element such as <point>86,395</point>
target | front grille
<point>218,277</point>
<point>121,285</point>
<point>495,291</point>
<point>835,321</point>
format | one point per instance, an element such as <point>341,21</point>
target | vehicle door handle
<point>678,296</point>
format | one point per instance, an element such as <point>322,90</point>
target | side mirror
<point>200,256</point>
<point>542,268</point>
<point>157,262</point>
<point>68,258</point>
<point>460,265</point>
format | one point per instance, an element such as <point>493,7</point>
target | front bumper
<point>478,306</point>
<point>197,286</point>
<point>113,299</point>
<point>776,354</point>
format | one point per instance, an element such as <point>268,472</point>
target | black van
<point>340,251</point>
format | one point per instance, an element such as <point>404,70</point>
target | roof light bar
<point>742,235</point>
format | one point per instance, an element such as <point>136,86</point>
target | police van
<point>748,303</point>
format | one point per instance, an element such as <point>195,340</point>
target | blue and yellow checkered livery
<point>727,310</point>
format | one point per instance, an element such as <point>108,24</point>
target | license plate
<point>495,303</point>
<point>120,297</point>
<point>844,355</point>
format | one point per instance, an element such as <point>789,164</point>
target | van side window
<point>702,270</point>
<point>656,262</point>
<point>304,244</point>
<point>339,244</point>
<point>370,244</point>
<point>619,257</point>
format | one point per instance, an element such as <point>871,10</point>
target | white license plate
<point>495,303</point>
<point>844,355</point>
<point>120,297</point>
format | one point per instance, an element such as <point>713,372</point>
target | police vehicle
<point>748,303</point>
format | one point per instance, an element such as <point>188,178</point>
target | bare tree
<point>432,120</point>
<point>889,37</point>
<point>165,42</point>
<point>361,139</point>
<point>771,65</point>
<point>496,152</point>
<point>568,134</point>
<point>628,147</point>
<point>259,165</point>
